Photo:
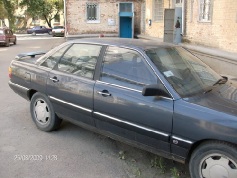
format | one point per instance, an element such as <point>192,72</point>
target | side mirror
<point>155,90</point>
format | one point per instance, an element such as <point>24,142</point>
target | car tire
<point>7,43</point>
<point>50,33</point>
<point>43,114</point>
<point>33,33</point>
<point>214,160</point>
<point>15,42</point>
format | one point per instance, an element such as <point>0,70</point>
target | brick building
<point>118,17</point>
<point>211,23</point>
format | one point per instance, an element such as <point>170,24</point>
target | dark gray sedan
<point>39,30</point>
<point>154,96</point>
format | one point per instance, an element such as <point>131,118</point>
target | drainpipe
<point>183,17</point>
<point>191,12</point>
<point>65,17</point>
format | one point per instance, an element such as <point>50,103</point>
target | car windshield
<point>1,32</point>
<point>187,74</point>
<point>58,27</point>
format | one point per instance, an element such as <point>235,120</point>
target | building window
<point>205,10</point>
<point>57,18</point>
<point>92,12</point>
<point>178,2</point>
<point>35,20</point>
<point>158,10</point>
<point>125,7</point>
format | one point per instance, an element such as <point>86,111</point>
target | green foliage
<point>158,162</point>
<point>46,9</point>
<point>175,172</point>
<point>3,11</point>
<point>122,155</point>
<point>7,9</point>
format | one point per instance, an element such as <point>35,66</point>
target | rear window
<point>58,27</point>
<point>1,32</point>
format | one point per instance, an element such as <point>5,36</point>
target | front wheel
<point>42,113</point>
<point>214,160</point>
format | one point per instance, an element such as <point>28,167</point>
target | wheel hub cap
<point>41,112</point>
<point>218,171</point>
<point>218,166</point>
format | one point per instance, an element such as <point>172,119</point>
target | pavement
<point>77,150</point>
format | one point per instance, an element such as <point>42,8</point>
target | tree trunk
<point>48,21</point>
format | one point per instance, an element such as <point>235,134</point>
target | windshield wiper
<point>221,81</point>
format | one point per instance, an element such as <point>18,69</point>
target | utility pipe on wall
<point>183,17</point>
<point>65,17</point>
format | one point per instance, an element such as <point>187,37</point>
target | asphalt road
<point>69,152</point>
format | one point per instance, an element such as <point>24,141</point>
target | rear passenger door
<point>70,84</point>
<point>120,107</point>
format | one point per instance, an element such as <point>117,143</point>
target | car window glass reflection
<point>80,60</point>
<point>127,68</point>
<point>183,71</point>
<point>51,61</point>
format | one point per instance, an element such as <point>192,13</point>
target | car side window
<point>126,68</point>
<point>51,61</point>
<point>80,60</point>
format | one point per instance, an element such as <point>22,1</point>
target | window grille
<point>92,11</point>
<point>205,10</point>
<point>158,10</point>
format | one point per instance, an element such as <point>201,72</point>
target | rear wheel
<point>7,43</point>
<point>42,113</point>
<point>14,42</point>
<point>33,33</point>
<point>214,160</point>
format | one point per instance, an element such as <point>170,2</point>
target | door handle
<point>54,79</point>
<point>103,93</point>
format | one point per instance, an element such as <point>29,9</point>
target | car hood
<point>223,98</point>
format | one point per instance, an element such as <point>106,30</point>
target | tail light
<point>10,72</point>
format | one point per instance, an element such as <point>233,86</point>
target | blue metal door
<point>125,27</point>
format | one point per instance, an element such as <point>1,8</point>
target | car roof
<point>124,42</point>
<point>4,29</point>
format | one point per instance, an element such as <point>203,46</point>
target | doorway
<point>125,27</point>
<point>126,20</point>
<point>169,25</point>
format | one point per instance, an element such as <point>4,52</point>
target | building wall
<point>157,28</point>
<point>221,32</point>
<point>109,9</point>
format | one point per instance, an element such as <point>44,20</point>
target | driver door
<point>120,107</point>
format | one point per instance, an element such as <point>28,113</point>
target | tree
<point>8,10</point>
<point>3,11</point>
<point>47,9</point>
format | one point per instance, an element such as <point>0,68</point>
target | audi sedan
<point>155,96</point>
